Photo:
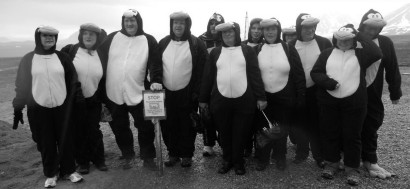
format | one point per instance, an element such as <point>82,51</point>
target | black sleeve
<point>156,68</point>
<point>66,49</point>
<point>71,78</point>
<point>202,56</point>
<point>23,82</point>
<point>254,74</point>
<point>209,76</point>
<point>369,53</point>
<point>104,48</point>
<point>318,72</point>
<point>393,77</point>
<point>297,72</point>
<point>153,57</point>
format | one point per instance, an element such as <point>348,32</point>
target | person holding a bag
<point>284,82</point>
<point>86,59</point>
<point>232,86</point>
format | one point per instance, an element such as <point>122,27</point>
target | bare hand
<point>156,86</point>
<point>262,104</point>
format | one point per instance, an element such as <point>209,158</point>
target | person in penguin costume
<point>371,25</point>
<point>86,59</point>
<point>340,75</point>
<point>128,54</point>
<point>254,38</point>
<point>211,37</point>
<point>289,34</point>
<point>254,33</point>
<point>231,87</point>
<point>305,125</point>
<point>180,70</point>
<point>211,40</point>
<point>284,81</point>
<point>47,84</point>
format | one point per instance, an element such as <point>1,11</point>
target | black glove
<point>18,116</point>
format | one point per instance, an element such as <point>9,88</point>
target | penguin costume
<point>284,82</point>
<point>47,84</point>
<point>340,75</point>
<point>289,34</point>
<point>180,71</point>
<point>211,41</point>
<point>90,70</point>
<point>374,78</point>
<point>232,85</point>
<point>251,41</point>
<point>128,57</point>
<point>305,125</point>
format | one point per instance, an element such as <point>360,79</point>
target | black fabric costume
<point>341,119</point>
<point>178,132</point>
<point>281,103</point>
<point>375,108</point>
<point>120,124</point>
<point>52,128</point>
<point>233,116</point>
<point>89,144</point>
<point>305,124</point>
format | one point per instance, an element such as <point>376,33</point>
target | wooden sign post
<point>154,110</point>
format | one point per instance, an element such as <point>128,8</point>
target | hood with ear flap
<point>372,18</point>
<point>92,28</point>
<point>219,20</point>
<point>272,22</point>
<point>254,21</point>
<point>345,32</point>
<point>136,14</point>
<point>227,26</point>
<point>305,19</point>
<point>39,49</point>
<point>188,24</point>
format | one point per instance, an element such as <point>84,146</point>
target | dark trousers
<point>280,113</point>
<point>177,130</point>
<point>341,126</point>
<point>89,139</point>
<point>120,126</point>
<point>369,139</point>
<point>209,136</point>
<point>54,138</point>
<point>233,117</point>
<point>306,127</point>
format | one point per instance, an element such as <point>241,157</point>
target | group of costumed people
<point>324,95</point>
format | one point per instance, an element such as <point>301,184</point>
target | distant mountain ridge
<point>398,23</point>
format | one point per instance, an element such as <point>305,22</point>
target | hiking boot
<point>51,182</point>
<point>84,169</point>
<point>172,161</point>
<point>240,169</point>
<point>226,167</point>
<point>330,170</point>
<point>101,166</point>
<point>353,176</point>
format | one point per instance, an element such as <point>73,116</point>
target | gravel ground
<point>20,163</point>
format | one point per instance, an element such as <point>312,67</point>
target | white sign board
<point>154,104</point>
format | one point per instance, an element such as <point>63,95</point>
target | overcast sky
<point>19,18</point>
